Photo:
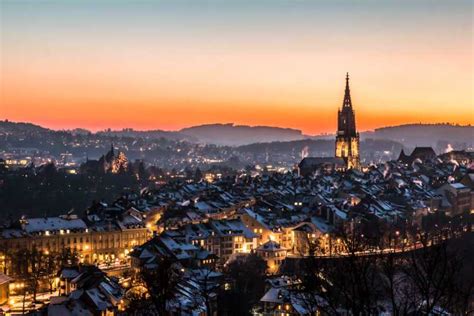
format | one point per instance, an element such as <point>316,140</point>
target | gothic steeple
<point>347,139</point>
<point>347,94</point>
<point>346,117</point>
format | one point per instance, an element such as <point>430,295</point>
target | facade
<point>111,162</point>
<point>457,198</point>
<point>273,254</point>
<point>310,165</point>
<point>90,292</point>
<point>95,241</point>
<point>222,238</point>
<point>347,138</point>
<point>4,289</point>
<point>292,236</point>
<point>281,299</point>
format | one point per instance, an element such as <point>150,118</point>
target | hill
<point>234,135</point>
<point>151,134</point>
<point>438,136</point>
<point>19,128</point>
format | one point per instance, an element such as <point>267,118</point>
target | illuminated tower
<point>347,138</point>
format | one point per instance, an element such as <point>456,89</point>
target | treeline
<point>48,192</point>
<point>432,279</point>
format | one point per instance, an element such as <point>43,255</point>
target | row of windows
<point>274,254</point>
<point>100,240</point>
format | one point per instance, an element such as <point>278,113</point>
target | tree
<point>349,281</point>
<point>246,277</point>
<point>432,278</point>
<point>52,264</point>
<point>207,283</point>
<point>68,257</point>
<point>142,173</point>
<point>161,283</point>
<point>198,175</point>
<point>364,280</point>
<point>20,257</point>
<point>431,274</point>
<point>35,271</point>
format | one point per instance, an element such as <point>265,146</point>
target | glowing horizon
<point>168,65</point>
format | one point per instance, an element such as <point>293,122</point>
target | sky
<point>172,64</point>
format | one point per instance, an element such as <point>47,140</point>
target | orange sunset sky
<point>173,64</point>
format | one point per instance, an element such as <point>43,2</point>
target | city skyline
<point>236,157</point>
<point>170,65</point>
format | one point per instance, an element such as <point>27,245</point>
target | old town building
<point>94,239</point>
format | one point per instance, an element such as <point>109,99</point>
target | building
<point>282,299</point>
<point>347,138</point>
<point>457,198</point>
<point>111,162</point>
<point>422,154</point>
<point>460,156</point>
<point>91,292</point>
<point>273,254</point>
<point>310,165</point>
<point>4,289</point>
<point>165,247</point>
<point>220,237</point>
<point>95,240</point>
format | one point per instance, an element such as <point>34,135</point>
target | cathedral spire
<point>347,139</point>
<point>347,94</point>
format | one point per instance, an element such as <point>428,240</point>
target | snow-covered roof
<point>97,298</point>
<point>69,273</point>
<point>273,295</point>
<point>270,245</point>
<point>34,225</point>
<point>458,186</point>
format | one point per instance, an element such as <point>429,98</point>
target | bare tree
<point>246,279</point>
<point>207,283</point>
<point>347,281</point>
<point>161,283</point>
<point>35,270</point>
<point>432,275</point>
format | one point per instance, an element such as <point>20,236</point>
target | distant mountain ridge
<point>434,135</point>
<point>7,127</point>
<point>152,134</point>
<point>235,135</point>
<point>409,135</point>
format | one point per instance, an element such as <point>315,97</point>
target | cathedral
<point>111,162</point>
<point>347,138</point>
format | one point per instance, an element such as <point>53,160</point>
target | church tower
<point>347,138</point>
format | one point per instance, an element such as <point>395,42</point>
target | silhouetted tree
<point>161,283</point>
<point>365,280</point>
<point>246,277</point>
<point>198,175</point>
<point>207,287</point>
